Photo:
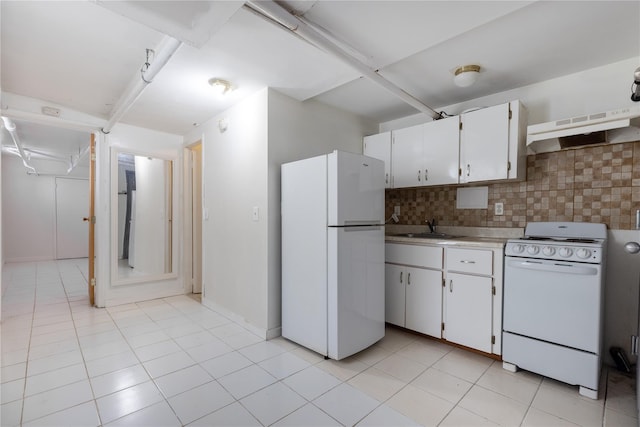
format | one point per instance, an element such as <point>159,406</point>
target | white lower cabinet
<point>468,307</point>
<point>413,294</point>
<point>452,293</point>
<point>394,294</point>
<point>423,308</point>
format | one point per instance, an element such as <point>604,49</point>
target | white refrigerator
<point>333,253</point>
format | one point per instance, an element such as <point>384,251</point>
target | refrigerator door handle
<point>351,228</point>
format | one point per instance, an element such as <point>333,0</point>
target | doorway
<point>72,205</point>
<point>196,217</point>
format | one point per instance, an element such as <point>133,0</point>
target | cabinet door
<point>484,144</point>
<point>424,301</point>
<point>406,157</point>
<point>441,151</point>
<point>379,147</point>
<point>394,294</point>
<point>468,308</point>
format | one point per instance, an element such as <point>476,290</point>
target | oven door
<point>554,301</point>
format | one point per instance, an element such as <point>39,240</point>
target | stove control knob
<point>583,253</point>
<point>533,250</point>
<point>518,249</point>
<point>565,252</point>
<point>548,250</point>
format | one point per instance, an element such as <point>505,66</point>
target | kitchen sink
<point>428,235</point>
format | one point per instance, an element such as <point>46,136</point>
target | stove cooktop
<point>560,239</point>
<point>578,232</point>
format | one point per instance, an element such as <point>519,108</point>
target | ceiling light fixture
<point>466,75</point>
<point>221,86</point>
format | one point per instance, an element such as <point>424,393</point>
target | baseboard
<point>29,259</point>
<point>262,333</point>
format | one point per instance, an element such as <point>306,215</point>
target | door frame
<point>91,280</point>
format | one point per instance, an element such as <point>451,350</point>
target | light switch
<point>205,214</point>
<point>255,214</point>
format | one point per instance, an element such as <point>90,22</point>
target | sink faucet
<point>432,225</point>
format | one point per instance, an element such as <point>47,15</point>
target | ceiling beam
<point>274,13</point>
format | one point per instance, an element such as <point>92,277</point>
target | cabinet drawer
<point>470,261</point>
<point>419,256</point>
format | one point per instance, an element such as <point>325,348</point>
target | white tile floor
<point>172,362</point>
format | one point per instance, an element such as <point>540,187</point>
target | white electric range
<point>553,302</point>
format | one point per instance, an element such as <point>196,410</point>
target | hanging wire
<point>150,55</point>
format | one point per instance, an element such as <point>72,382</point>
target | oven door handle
<point>558,267</point>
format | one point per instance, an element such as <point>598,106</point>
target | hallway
<point>174,362</point>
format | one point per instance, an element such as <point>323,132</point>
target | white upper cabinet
<point>482,145</point>
<point>492,143</point>
<point>426,154</point>
<point>406,157</point>
<point>441,151</point>
<point>379,147</point>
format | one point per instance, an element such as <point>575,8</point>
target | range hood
<point>610,127</point>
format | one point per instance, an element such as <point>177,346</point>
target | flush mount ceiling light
<point>466,75</point>
<point>221,86</point>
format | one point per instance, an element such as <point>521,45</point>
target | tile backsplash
<point>594,184</point>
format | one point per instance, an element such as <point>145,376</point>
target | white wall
<point>241,171</point>
<point>141,141</point>
<point>29,211</point>
<point>234,266</point>
<point>589,91</point>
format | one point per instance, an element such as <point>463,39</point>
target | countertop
<point>465,236</point>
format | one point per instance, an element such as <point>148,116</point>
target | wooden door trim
<point>92,219</point>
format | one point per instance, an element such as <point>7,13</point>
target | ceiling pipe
<point>31,153</point>
<point>275,13</point>
<point>72,161</point>
<point>168,46</point>
<point>77,159</point>
<point>11,128</point>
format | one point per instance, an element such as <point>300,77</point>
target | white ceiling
<point>82,55</point>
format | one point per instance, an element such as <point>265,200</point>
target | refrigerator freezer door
<point>356,189</point>
<point>304,253</point>
<point>355,289</point>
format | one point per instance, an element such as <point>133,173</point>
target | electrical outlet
<point>499,208</point>
<point>396,210</point>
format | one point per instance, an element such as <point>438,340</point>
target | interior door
<point>72,202</point>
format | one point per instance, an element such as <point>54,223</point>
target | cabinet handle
<point>426,174</point>
<point>466,261</point>
<point>401,277</point>
<point>468,169</point>
<point>451,285</point>
<point>408,278</point>
<point>418,176</point>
